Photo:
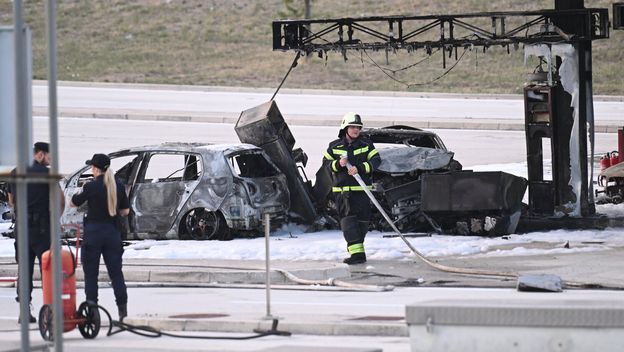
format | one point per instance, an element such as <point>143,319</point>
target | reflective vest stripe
<point>349,188</point>
<point>339,152</point>
<point>372,153</point>
<point>334,165</point>
<point>367,167</point>
<point>356,248</point>
<point>328,156</point>
<point>360,151</point>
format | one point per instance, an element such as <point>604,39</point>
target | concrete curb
<point>264,90</point>
<point>309,325</point>
<point>208,272</point>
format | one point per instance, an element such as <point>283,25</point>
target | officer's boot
<point>31,318</point>
<point>122,309</point>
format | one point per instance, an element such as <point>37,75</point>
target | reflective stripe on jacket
<point>361,154</point>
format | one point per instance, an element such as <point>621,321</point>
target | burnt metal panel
<point>262,124</point>
<point>300,197</point>
<point>401,160</point>
<point>265,127</point>
<point>472,191</point>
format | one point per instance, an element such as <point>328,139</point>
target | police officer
<point>353,203</point>
<point>106,201</point>
<point>38,196</point>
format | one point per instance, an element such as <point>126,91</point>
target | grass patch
<point>228,42</point>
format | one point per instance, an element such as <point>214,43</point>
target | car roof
<point>225,148</point>
<point>400,134</point>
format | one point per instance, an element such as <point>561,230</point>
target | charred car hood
<point>406,159</point>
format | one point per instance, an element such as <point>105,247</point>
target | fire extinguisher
<point>615,159</point>
<point>605,162</point>
<point>69,286</point>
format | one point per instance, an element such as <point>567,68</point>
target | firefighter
<point>106,200</point>
<point>38,198</point>
<point>352,202</point>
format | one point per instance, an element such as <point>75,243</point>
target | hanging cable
<point>410,85</point>
<point>293,65</point>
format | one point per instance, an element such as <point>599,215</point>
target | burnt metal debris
<point>265,127</point>
<point>558,98</point>
<point>439,31</point>
<point>415,165</point>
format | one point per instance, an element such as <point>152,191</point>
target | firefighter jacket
<point>361,154</point>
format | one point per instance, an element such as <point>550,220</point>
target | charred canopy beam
<point>448,31</point>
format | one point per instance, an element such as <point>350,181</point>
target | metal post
<point>267,232</point>
<point>23,142</point>
<point>55,214</point>
<point>620,133</point>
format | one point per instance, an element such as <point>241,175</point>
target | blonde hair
<point>111,191</point>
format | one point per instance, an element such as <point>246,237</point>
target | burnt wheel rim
<point>45,322</point>
<point>202,224</point>
<point>91,326</point>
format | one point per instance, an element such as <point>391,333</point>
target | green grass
<point>228,42</point>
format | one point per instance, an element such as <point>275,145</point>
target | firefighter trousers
<point>355,212</point>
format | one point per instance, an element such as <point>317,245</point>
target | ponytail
<point>111,192</point>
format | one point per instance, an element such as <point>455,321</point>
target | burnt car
<point>406,153</point>
<point>422,188</point>
<point>192,191</point>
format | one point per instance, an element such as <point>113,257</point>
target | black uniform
<point>353,204</point>
<point>102,238</point>
<point>38,196</point>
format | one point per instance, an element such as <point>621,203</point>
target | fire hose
<point>445,268</point>
<point>419,255</point>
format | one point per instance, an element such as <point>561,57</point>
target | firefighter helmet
<point>351,119</point>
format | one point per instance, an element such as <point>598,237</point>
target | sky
<point>292,243</point>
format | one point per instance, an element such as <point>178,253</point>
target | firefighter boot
<point>355,258</point>
<point>355,247</point>
<point>122,309</point>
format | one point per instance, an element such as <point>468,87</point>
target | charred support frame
<point>568,23</point>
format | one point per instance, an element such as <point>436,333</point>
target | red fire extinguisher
<point>605,162</point>
<point>87,318</point>
<point>615,159</point>
<point>69,286</point>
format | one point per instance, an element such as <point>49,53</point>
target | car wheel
<point>202,224</point>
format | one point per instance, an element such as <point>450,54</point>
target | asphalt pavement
<point>305,107</point>
<point>327,306</point>
<point>318,298</point>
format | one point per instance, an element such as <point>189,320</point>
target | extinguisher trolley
<point>87,317</point>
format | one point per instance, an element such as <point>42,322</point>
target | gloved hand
<point>8,215</point>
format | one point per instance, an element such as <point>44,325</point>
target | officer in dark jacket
<point>38,196</point>
<point>353,203</point>
<point>106,201</point>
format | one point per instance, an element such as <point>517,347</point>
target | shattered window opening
<point>252,165</point>
<point>165,167</point>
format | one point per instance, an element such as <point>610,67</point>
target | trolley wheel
<point>45,322</point>
<point>90,328</point>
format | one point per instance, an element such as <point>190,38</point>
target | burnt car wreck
<point>419,184</point>
<point>192,191</point>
